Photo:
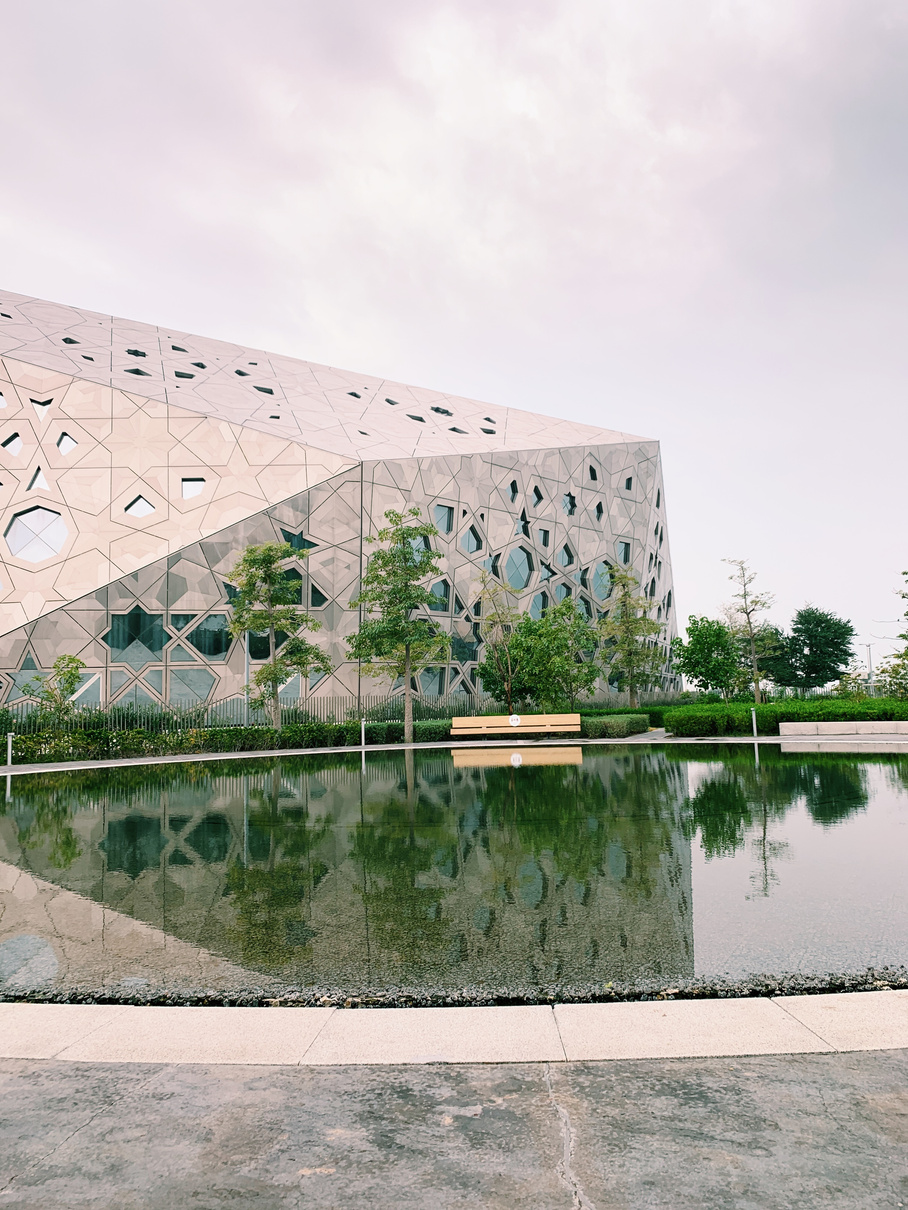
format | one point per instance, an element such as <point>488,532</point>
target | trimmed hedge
<point>655,714</point>
<point>107,745</point>
<point>735,718</point>
<point>613,726</point>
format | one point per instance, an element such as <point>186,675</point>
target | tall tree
<point>709,658</point>
<point>747,608</point>
<point>555,654</point>
<point>503,670</point>
<point>393,639</point>
<point>893,671</point>
<point>267,602</point>
<point>818,650</point>
<point>630,638</point>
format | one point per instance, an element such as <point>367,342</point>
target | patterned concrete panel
<point>139,463</point>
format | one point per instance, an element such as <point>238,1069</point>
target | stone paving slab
<point>681,1029</point>
<point>867,1021</point>
<point>508,1034</point>
<point>40,1031</point>
<point>201,1035</point>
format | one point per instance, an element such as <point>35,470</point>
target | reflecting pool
<point>562,868</point>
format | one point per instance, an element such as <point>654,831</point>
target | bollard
<point>9,747</point>
<point>753,715</point>
<point>362,737</point>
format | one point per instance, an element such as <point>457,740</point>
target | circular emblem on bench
<point>516,760</point>
<point>514,720</point>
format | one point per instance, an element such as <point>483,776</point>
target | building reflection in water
<point>415,873</point>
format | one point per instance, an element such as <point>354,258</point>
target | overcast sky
<point>687,221</point>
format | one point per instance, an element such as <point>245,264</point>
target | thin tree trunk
<point>275,687</point>
<point>754,670</point>
<point>408,697</point>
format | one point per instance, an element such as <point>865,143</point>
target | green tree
<point>630,650</point>
<point>818,650</point>
<point>268,602</point>
<point>393,639</point>
<point>503,670</point>
<point>556,655</point>
<point>709,658</point>
<point>745,617</point>
<point>892,673</point>
<point>54,689</point>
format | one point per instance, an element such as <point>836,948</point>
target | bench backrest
<point>514,724</point>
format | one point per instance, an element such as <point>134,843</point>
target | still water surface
<point>428,871</point>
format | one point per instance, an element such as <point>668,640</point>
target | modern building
<point>136,463</point>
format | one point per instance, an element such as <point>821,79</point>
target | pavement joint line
<point>93,1029</point>
<point>825,1041</point>
<point>657,736</point>
<point>302,1059</point>
<point>107,1018</point>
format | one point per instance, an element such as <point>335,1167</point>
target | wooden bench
<point>514,724</point>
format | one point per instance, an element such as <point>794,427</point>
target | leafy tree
<point>397,642</point>
<point>818,650</point>
<point>503,670</point>
<point>629,637</point>
<point>555,654</point>
<point>745,612</point>
<point>268,602</point>
<point>709,658</point>
<point>892,673</point>
<point>54,689</point>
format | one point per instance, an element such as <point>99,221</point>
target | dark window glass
<point>444,518</point>
<point>514,490</point>
<point>297,541</point>
<point>628,483</point>
<point>599,511</point>
<point>537,496</point>
<point>519,568</point>
<point>539,604</point>
<point>179,621</point>
<point>569,504</point>
<point>471,541</point>
<point>211,637</point>
<point>137,626</point>
<point>565,556</point>
<point>441,593</point>
<point>593,475</point>
<point>624,552</point>
<point>316,597</point>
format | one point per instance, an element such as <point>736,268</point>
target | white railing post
<point>9,747</point>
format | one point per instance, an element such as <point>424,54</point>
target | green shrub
<point>735,718</point>
<point>655,714</point>
<point>613,726</point>
<point>431,731</point>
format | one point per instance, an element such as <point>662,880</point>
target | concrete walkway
<point>317,1037</point>
<point>811,1131</point>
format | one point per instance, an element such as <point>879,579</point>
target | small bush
<point>431,731</point>
<point>613,726</point>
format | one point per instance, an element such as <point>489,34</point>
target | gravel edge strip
<point>756,986</point>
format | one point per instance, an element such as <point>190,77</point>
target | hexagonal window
<point>471,541</point>
<point>441,596</point>
<point>539,604</point>
<point>565,556</point>
<point>602,581</point>
<point>518,568</point>
<point>36,534</point>
<point>562,592</point>
<point>569,503</point>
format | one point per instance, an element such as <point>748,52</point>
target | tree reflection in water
<point>420,872</point>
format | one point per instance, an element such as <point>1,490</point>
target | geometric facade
<point>137,462</point>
